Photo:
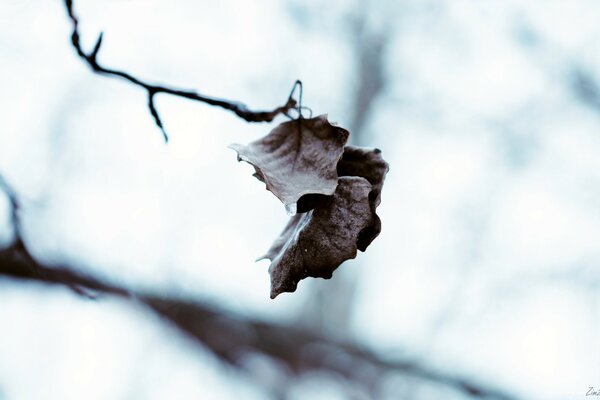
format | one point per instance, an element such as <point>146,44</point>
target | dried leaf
<point>317,242</point>
<point>367,163</point>
<point>335,191</point>
<point>296,158</point>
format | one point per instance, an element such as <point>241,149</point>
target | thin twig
<point>240,109</point>
<point>14,205</point>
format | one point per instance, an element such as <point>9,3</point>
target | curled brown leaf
<point>335,191</point>
<point>296,158</point>
<point>369,164</point>
<point>315,243</point>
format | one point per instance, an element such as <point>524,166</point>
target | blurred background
<point>487,266</point>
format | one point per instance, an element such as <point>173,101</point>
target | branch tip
<point>237,108</point>
<point>94,52</point>
<point>156,116</point>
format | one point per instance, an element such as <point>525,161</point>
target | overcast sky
<point>488,262</point>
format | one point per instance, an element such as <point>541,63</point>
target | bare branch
<point>586,87</point>
<point>17,261</point>
<point>230,337</point>
<point>240,109</point>
<point>14,206</point>
<point>299,350</point>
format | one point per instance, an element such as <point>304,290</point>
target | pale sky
<point>488,262</point>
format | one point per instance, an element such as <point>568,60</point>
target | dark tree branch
<point>298,349</point>
<point>240,109</point>
<point>230,337</point>
<point>17,261</point>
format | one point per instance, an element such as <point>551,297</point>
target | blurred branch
<point>370,50</point>
<point>14,206</point>
<point>299,350</point>
<point>322,309</point>
<point>17,261</point>
<point>581,80</point>
<point>229,336</point>
<point>240,109</point>
<point>586,87</point>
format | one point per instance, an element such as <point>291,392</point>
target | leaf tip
<point>283,284</point>
<point>276,290</point>
<point>238,148</point>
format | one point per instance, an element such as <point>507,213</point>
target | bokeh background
<point>488,263</point>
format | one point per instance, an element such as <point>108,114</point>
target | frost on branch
<point>336,189</point>
<point>298,157</point>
